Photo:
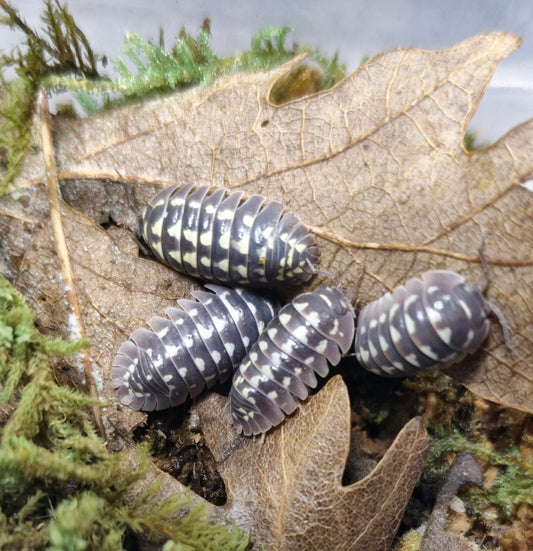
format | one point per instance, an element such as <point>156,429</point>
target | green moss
<point>471,141</point>
<point>513,484</point>
<point>147,68</point>
<point>60,488</point>
<point>17,531</point>
<point>190,61</point>
<point>61,47</point>
<point>76,521</point>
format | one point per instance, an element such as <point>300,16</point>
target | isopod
<point>191,349</point>
<point>317,327</point>
<point>430,323</point>
<point>218,235</point>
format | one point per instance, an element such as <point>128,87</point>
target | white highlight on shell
<point>395,335</point>
<point>224,240</point>
<point>230,347</point>
<point>426,350</point>
<point>434,316</point>
<point>466,309</point>
<point>412,359</point>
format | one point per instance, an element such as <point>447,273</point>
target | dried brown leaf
<point>376,166</point>
<point>117,292</point>
<point>287,490</point>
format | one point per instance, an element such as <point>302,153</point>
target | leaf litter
<point>375,166</point>
<point>287,490</point>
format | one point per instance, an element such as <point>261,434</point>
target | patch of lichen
<point>60,488</point>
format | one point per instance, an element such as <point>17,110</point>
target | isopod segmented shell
<point>190,349</point>
<point>315,328</point>
<point>430,323</point>
<point>217,235</point>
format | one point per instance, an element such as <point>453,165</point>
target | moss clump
<point>148,68</point>
<point>511,487</point>
<point>189,61</point>
<point>61,47</point>
<point>60,488</point>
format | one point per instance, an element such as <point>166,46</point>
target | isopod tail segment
<point>218,235</point>
<point>310,333</point>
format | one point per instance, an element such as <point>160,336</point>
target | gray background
<point>353,28</point>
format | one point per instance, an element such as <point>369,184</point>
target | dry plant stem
<point>31,221</point>
<point>413,247</point>
<point>61,247</point>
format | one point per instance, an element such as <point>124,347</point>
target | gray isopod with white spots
<point>190,349</point>
<point>430,323</point>
<point>315,328</point>
<point>218,235</point>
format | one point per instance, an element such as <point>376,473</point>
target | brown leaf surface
<point>375,166</point>
<point>287,490</point>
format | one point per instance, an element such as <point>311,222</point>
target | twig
<point>413,247</point>
<point>61,246</point>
